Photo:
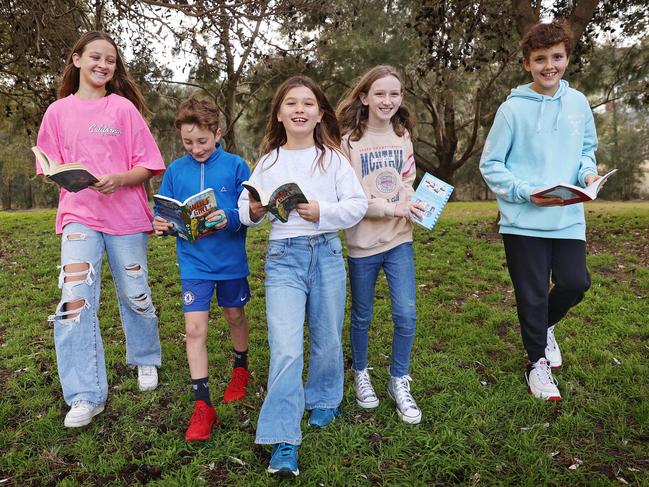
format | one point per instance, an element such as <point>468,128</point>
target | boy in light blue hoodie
<point>542,135</point>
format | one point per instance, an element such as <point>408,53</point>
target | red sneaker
<point>201,423</point>
<point>236,390</point>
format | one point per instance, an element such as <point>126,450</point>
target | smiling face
<point>299,113</point>
<point>96,63</point>
<point>547,67</point>
<point>199,141</point>
<point>382,100</point>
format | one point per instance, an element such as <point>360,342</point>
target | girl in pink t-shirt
<point>98,120</point>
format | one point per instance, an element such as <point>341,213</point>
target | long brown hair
<point>352,114</point>
<point>326,133</point>
<point>121,83</point>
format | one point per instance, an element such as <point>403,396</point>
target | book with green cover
<point>189,217</point>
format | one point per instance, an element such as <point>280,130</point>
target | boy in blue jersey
<point>542,135</point>
<point>215,263</point>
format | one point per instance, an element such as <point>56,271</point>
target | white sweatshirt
<point>337,190</point>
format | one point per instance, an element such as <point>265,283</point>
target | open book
<point>189,217</point>
<point>73,176</point>
<point>434,194</point>
<point>280,201</point>
<point>571,194</point>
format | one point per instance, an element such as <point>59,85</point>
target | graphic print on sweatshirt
<point>382,171</point>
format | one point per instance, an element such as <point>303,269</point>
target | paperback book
<point>280,201</point>
<point>72,176</point>
<point>433,193</point>
<point>189,217</point>
<point>571,194</point>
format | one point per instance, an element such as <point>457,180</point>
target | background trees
<point>459,60</point>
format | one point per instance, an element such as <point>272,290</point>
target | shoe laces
<point>543,372</point>
<point>285,450</point>
<point>402,394</point>
<point>238,378</point>
<point>364,384</point>
<point>199,414</point>
<point>551,341</point>
<point>146,370</point>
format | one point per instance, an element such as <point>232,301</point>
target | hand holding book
<point>568,194</point>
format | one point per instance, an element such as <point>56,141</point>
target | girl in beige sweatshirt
<point>376,127</point>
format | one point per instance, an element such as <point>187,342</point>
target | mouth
<point>299,120</point>
<point>385,110</point>
<point>548,76</point>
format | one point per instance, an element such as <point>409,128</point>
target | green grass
<point>480,426</point>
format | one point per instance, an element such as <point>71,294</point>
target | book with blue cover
<point>189,217</point>
<point>434,194</point>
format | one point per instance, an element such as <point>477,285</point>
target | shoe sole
<point>542,397</point>
<point>79,424</point>
<point>202,438</point>
<point>404,418</point>
<point>368,405</point>
<point>285,473</point>
<point>147,388</point>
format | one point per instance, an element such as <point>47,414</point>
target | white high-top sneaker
<point>540,382</point>
<point>407,409</point>
<point>365,395</point>
<point>552,352</point>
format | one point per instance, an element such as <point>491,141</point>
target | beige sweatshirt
<point>385,166</point>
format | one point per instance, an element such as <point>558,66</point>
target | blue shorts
<point>197,293</point>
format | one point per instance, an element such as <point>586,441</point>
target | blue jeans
<point>304,276</point>
<point>399,267</point>
<point>79,349</point>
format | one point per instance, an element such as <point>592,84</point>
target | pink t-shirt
<point>108,135</point>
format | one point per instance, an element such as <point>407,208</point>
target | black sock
<point>241,359</point>
<point>201,390</point>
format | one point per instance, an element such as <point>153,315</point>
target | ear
<point>217,135</point>
<point>526,64</point>
<point>320,115</point>
<point>363,98</point>
<point>76,60</point>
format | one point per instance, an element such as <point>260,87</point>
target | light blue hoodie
<point>537,141</point>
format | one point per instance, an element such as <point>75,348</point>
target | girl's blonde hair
<point>352,114</point>
<point>121,83</point>
<point>326,133</point>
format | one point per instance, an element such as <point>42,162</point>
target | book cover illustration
<point>189,218</point>
<point>281,201</point>
<point>433,193</point>
<point>72,176</point>
<point>571,194</point>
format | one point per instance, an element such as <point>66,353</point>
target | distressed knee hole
<point>142,305</point>
<point>75,236</point>
<point>69,311</point>
<point>73,274</point>
<point>134,270</point>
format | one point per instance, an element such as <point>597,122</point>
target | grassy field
<point>480,426</point>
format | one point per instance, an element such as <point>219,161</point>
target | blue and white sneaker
<point>323,417</point>
<point>283,461</point>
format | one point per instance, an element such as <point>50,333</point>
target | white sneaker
<point>365,395</point>
<point>552,352</point>
<point>147,377</point>
<point>540,382</point>
<point>399,390</point>
<point>81,414</point>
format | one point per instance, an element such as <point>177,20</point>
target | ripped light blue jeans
<point>77,339</point>
<point>305,278</point>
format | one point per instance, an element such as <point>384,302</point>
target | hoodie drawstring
<point>541,111</point>
<point>556,121</point>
